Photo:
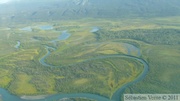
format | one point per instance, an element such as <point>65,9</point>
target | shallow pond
<point>64,35</point>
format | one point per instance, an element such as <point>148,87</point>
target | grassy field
<point>77,71</point>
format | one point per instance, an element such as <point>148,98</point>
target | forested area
<point>98,76</point>
<point>163,74</point>
<point>151,36</point>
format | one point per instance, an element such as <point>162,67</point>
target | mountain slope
<point>42,10</point>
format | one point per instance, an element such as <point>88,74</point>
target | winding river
<point>44,57</point>
<point>63,36</point>
<point>6,96</point>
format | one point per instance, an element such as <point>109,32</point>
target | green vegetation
<point>164,71</point>
<point>102,76</point>
<point>22,73</point>
<point>160,47</point>
<point>151,36</point>
<point>78,68</point>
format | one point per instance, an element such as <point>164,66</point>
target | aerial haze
<point>88,50</point>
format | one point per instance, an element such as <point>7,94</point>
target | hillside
<point>43,10</point>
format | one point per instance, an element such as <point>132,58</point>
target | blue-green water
<point>65,35</point>
<point>44,57</point>
<point>44,27</point>
<point>6,96</point>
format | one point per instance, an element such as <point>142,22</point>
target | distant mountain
<point>41,10</point>
<point>80,2</point>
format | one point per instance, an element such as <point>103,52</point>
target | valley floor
<point>85,61</point>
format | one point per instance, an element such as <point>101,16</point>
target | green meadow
<point>75,66</point>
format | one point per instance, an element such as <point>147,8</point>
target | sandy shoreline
<point>34,97</point>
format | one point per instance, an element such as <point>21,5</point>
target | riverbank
<point>34,97</point>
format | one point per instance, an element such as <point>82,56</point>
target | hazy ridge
<point>71,9</point>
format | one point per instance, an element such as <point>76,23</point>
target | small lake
<point>95,29</point>
<point>46,27</point>
<point>64,35</point>
<point>18,44</point>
